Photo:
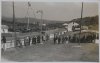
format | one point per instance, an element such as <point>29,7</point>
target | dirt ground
<point>49,52</point>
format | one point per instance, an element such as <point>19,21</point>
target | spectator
<point>3,43</point>
<point>59,40</point>
<point>43,38</point>
<point>29,38</point>
<point>38,39</point>
<point>47,37</point>
<point>34,40</point>
<point>55,38</point>
<point>66,39</point>
<point>26,41</point>
<point>63,39</point>
<point>18,42</point>
<point>69,38</point>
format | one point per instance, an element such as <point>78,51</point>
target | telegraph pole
<point>80,23</point>
<point>13,18</point>
<point>41,19</point>
<point>41,25</point>
<point>28,15</point>
<point>14,28</point>
<point>28,22</point>
<point>40,11</point>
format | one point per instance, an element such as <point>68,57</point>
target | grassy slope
<point>94,27</point>
<point>91,52</point>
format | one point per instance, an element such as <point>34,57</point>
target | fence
<point>11,43</point>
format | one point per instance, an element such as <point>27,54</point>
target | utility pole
<point>28,15</point>
<point>41,20</point>
<point>14,27</point>
<point>80,23</point>
<point>28,22</point>
<point>13,18</point>
<point>41,23</point>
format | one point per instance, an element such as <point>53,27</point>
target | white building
<point>85,27</point>
<point>4,29</point>
<point>70,25</point>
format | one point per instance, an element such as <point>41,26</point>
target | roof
<point>71,24</point>
<point>4,27</point>
<point>65,24</point>
<point>55,30</point>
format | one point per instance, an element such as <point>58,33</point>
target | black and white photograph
<point>49,31</point>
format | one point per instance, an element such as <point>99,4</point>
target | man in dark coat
<point>69,38</point>
<point>93,37</point>
<point>26,41</point>
<point>3,42</point>
<point>55,38</point>
<point>73,39</point>
<point>90,38</point>
<point>29,40</point>
<point>47,37</point>
<point>83,39</point>
<point>38,39</point>
<point>34,40</point>
<point>59,40</point>
<point>63,39</point>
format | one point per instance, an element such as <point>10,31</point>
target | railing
<point>10,43</point>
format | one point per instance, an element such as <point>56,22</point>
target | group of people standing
<point>75,38</point>
<point>85,38</point>
<point>33,40</point>
<point>58,39</point>
<point>26,41</point>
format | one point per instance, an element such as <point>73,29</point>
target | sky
<point>60,11</point>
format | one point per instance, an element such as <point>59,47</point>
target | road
<point>47,52</point>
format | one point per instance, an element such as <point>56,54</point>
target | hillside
<point>32,20</point>
<point>88,20</point>
<point>91,22</point>
<point>21,23</point>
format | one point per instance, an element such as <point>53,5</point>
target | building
<point>70,25</point>
<point>4,29</point>
<point>58,31</point>
<point>85,27</point>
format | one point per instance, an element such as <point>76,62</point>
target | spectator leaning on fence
<point>3,42</point>
<point>18,42</point>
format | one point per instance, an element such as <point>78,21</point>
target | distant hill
<point>21,24</point>
<point>91,22</point>
<point>32,20</point>
<point>86,20</point>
